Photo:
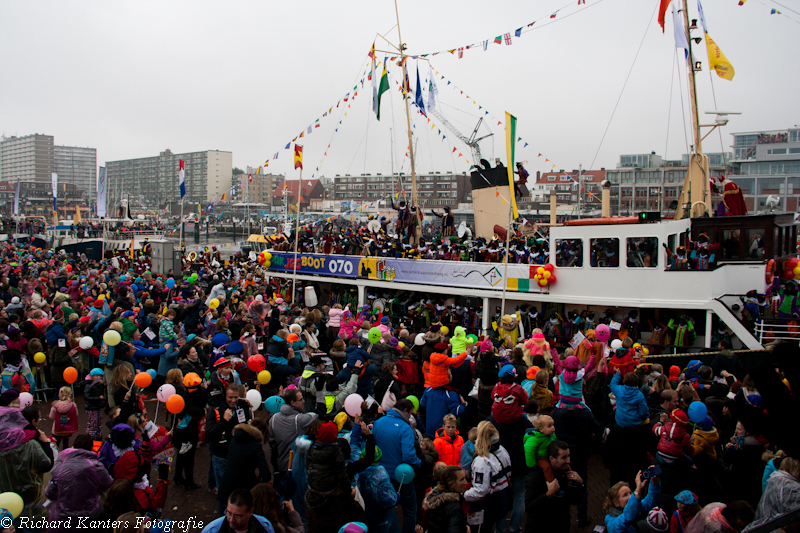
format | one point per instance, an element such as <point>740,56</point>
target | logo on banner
<point>377,269</point>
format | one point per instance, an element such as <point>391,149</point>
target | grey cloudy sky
<point>134,78</point>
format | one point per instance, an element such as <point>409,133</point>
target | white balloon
<point>25,399</point>
<point>419,341</point>
<point>254,397</point>
<point>616,344</point>
<point>86,343</point>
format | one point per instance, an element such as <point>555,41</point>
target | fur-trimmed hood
<point>435,499</point>
<point>253,432</point>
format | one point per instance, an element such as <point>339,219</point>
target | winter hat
<point>677,415</point>
<point>385,321</point>
<point>7,397</point>
<point>435,328</point>
<point>538,336</point>
<point>191,381</point>
<point>687,497</point>
<point>127,466</point>
<point>348,314</point>
<point>657,519</point>
<point>340,420</point>
<point>487,346</point>
<point>440,347</point>
<point>220,339</point>
<point>98,304</point>
<point>222,363</point>
<point>674,373</point>
<point>378,454</point>
<point>15,300</point>
<point>694,364</point>
<point>572,363</point>
<point>96,372</point>
<point>706,424</point>
<point>506,320</point>
<point>126,314</point>
<point>354,527</point>
<point>531,373</point>
<point>508,371</point>
<point>328,432</point>
<point>235,348</point>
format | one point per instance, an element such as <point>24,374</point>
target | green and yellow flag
<point>511,139</point>
<point>384,86</point>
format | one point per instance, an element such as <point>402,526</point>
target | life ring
<point>770,273</point>
<point>192,256</point>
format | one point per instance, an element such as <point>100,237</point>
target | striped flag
<point>511,135</point>
<point>182,178</point>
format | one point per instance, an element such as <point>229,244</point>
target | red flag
<point>250,178</point>
<point>298,156</point>
<point>662,11</point>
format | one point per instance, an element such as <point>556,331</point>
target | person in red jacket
<point>508,397</point>
<point>135,465</point>
<point>436,372</point>
<point>674,441</point>
<point>448,442</point>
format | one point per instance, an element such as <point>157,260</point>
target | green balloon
<point>413,399</point>
<point>375,335</point>
<point>473,338</point>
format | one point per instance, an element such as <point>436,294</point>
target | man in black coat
<point>547,504</point>
<point>577,427</point>
<point>220,422</point>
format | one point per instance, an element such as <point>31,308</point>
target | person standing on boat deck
<point>448,222</point>
<point>403,217</point>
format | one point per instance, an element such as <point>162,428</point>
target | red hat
<point>678,415</point>
<point>98,304</point>
<point>127,466</point>
<point>674,373</point>
<point>440,347</point>
<point>222,363</point>
<point>328,432</point>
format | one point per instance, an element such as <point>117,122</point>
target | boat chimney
<point>552,208</point>
<point>606,210</point>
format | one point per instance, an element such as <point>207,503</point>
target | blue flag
<point>418,96</point>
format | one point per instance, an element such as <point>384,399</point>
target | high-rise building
<point>258,187</point>
<point>433,189</point>
<point>767,163</point>
<point>78,166</point>
<point>29,158</point>
<point>151,181</point>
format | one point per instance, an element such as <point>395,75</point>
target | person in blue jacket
<point>632,410</point>
<point>141,353</point>
<point>625,508</point>
<point>398,444</point>
<point>437,402</point>
<point>379,496</point>
<point>239,516</point>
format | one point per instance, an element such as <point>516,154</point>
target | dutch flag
<point>181,178</point>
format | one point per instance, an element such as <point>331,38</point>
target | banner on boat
<point>425,272</point>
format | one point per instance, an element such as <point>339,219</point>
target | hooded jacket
<point>278,350</point>
<point>673,438</point>
<point>459,340</point>
<point>379,495</point>
<point>632,408</point>
<point>245,455</point>
<point>355,353</point>
<point>508,401</point>
<point>383,353</point>
<point>490,475</point>
<point>437,375</point>
<point>326,468</point>
<point>781,496</point>
<point>284,428</point>
<point>445,512</point>
<point>449,449</point>
<point>77,484</point>
<point>396,439</point>
<point>436,403</point>
<point>64,415</point>
<point>706,442</point>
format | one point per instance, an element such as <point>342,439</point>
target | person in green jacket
<point>128,326</point>
<point>535,443</point>
<point>459,340</point>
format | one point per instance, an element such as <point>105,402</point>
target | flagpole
<point>296,234</point>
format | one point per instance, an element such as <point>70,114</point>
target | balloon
<point>292,338</point>
<point>175,404</point>
<point>152,373</point>
<point>543,283</point>
<point>112,337</point>
<point>637,345</point>
<point>602,332</point>
<point>12,502</point>
<point>170,283</point>
<point>254,397</point>
<point>213,304</point>
<point>268,256</point>
<point>791,264</point>
<point>547,274</point>
<point>550,267</point>
<point>86,343</point>
<point>418,340</point>
<point>195,276</point>
<point>413,399</point>
<point>445,330</point>
<point>279,301</point>
<point>39,358</point>
<point>552,279</point>
<point>697,412</point>
<point>25,399</point>
<point>143,380</point>
<point>473,338</point>
<point>264,377</point>
<point>70,374</point>
<point>375,335</point>
<point>101,297</point>
<point>273,404</point>
<point>165,392</point>
<point>788,274</point>
<point>256,363</point>
<point>645,351</point>
<point>352,404</point>
<point>404,474</point>
<point>267,264</point>
<point>401,344</point>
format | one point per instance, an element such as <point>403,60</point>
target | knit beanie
<point>657,520</point>
<point>328,432</point>
<point>674,373</point>
<point>487,346</point>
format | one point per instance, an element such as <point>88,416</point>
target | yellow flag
<point>718,61</point>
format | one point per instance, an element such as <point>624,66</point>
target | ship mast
<point>402,48</point>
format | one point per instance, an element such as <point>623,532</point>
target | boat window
<point>755,243</point>
<point>604,253</point>
<point>671,241</point>
<point>569,253</point>
<point>642,252</point>
<point>730,243</point>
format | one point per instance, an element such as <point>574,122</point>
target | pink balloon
<point>164,392</point>
<point>602,332</point>
<point>25,399</point>
<point>352,404</point>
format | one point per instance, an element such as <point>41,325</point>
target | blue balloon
<point>170,283</point>
<point>273,404</point>
<point>697,412</point>
<point>152,373</point>
<point>404,474</point>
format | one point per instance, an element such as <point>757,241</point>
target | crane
<point>471,141</point>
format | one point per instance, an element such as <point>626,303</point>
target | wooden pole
<point>408,112</point>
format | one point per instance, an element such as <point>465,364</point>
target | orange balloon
<point>143,380</point>
<point>70,374</point>
<point>175,404</point>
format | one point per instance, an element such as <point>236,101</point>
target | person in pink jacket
<point>348,326</point>
<point>64,415</point>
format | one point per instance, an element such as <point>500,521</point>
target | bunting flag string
<point>505,37</point>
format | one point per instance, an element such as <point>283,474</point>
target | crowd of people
<point>345,418</point>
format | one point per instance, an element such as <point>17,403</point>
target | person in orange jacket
<point>436,372</point>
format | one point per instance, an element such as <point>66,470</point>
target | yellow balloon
<point>547,274</point>
<point>112,337</point>
<point>268,256</point>
<point>13,502</point>
<point>214,303</point>
<point>645,351</point>
<point>637,345</point>
<point>39,358</point>
<point>540,270</point>
<point>445,330</point>
<point>542,282</point>
<point>101,297</point>
<point>264,377</point>
<point>401,344</point>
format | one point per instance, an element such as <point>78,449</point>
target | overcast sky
<point>135,78</point>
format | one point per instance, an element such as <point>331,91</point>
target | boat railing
<point>128,234</point>
<point>777,329</point>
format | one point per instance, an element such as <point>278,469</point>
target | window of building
<point>569,253</point>
<point>641,193</point>
<point>551,178</point>
<point>642,252</point>
<point>564,178</point>
<point>604,253</point>
<point>776,151</point>
<point>794,150</point>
